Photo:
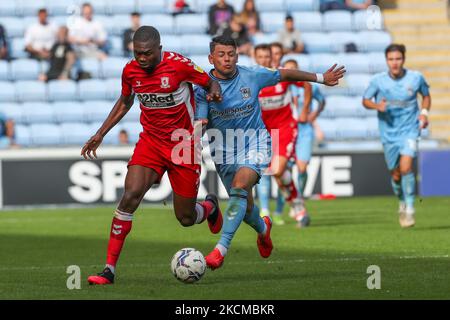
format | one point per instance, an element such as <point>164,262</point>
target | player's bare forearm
<point>213,91</point>
<point>119,110</point>
<point>308,97</point>
<point>426,102</point>
<point>369,104</point>
<point>329,78</point>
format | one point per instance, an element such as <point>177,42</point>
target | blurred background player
<point>277,115</point>
<point>162,83</point>
<point>240,109</point>
<point>400,122</point>
<point>305,140</point>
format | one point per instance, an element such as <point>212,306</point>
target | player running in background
<point>400,122</point>
<point>305,139</point>
<point>277,115</point>
<point>241,163</point>
<point>162,82</point>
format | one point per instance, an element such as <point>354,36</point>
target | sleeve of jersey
<point>424,87</point>
<point>317,94</point>
<point>372,90</point>
<point>266,77</point>
<point>192,72</point>
<point>201,108</point>
<point>127,89</point>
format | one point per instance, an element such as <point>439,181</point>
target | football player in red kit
<point>162,81</point>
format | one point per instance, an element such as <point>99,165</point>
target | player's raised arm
<point>121,107</point>
<point>329,78</point>
<point>214,91</point>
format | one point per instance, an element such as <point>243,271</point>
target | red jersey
<point>275,102</point>
<point>166,95</point>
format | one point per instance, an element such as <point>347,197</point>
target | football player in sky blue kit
<point>305,139</point>
<point>238,140</point>
<point>400,122</point>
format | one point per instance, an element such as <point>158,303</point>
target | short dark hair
<point>223,40</point>
<point>276,44</point>
<point>262,46</point>
<point>291,61</point>
<point>86,4</point>
<point>135,14</point>
<point>42,10</point>
<point>147,33</point>
<point>395,47</point>
<point>289,17</point>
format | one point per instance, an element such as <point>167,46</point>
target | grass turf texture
<point>328,260</point>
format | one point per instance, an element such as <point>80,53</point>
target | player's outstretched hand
<point>214,92</point>
<point>332,76</point>
<point>90,147</point>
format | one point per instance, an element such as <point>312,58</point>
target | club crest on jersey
<point>245,93</point>
<point>165,82</point>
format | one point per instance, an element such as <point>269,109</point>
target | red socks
<point>120,227</point>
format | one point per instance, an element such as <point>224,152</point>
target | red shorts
<point>184,178</point>
<point>283,144</point>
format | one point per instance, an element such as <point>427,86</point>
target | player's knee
<point>131,196</point>
<point>405,171</point>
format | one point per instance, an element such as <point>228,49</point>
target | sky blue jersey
<point>402,109</point>
<point>239,109</point>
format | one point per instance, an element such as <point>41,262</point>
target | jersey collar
<point>224,80</point>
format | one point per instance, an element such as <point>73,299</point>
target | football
<point>188,265</point>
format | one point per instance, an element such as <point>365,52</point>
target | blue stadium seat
<point>321,62</point>
<point>303,60</point>
<point>202,61</point>
<point>68,111</point>
<point>111,138</point>
<point>133,129</point>
<point>272,21</point>
<point>245,61</point>
<point>237,4</point>
<point>367,20</point>
<point>302,5</point>
<point>96,111</point>
<point>38,112</point>
<point>153,6</point>
<point>264,38</point>
<point>61,20</point>
<point>61,7</point>
<point>113,88</point>
<point>45,134</point>
<point>13,111</point>
<point>18,48</point>
<point>62,90</point>
<point>355,62</point>
<point>358,83</point>
<point>8,91</point>
<point>134,114</point>
<point>92,89</point>
<point>29,7</point>
<point>198,44</point>
<point>7,9</point>
<point>28,90</point>
<point>191,24</point>
<point>121,7</point>
<point>339,106</point>
<point>317,42</point>
<point>328,127</point>
<point>372,127</point>
<point>75,133</point>
<point>4,70</point>
<point>341,38</point>
<point>337,20</point>
<point>90,65</point>
<point>116,47</point>
<point>308,21</point>
<point>25,69</point>
<point>14,26</point>
<point>163,22</point>
<point>351,128</point>
<point>377,62</point>
<point>112,67</point>
<point>203,5</point>
<point>269,5</point>
<point>121,22</point>
<point>374,41</point>
<point>172,43</point>
<point>22,135</point>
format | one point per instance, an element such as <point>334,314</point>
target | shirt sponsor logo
<point>151,100</point>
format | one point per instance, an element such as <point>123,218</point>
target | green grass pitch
<point>328,260</point>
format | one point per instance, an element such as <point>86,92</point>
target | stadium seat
<point>61,7</point>
<point>35,112</point>
<point>14,26</point>
<point>163,22</point>
<point>301,5</point>
<point>25,69</point>
<point>133,129</point>
<point>113,135</point>
<point>245,61</point>
<point>92,89</point>
<point>100,6</point>
<point>321,62</point>
<point>90,65</point>
<point>67,111</point>
<point>374,41</point>
<point>134,114</point>
<point>75,133</point>
<point>112,67</point>
<point>96,111</point>
<point>61,20</point>
<point>203,5</point>
<point>272,22</point>
<point>29,7</point>
<point>113,88</point>
<point>337,20</point>
<point>121,22</point>
<point>341,39</point>
<point>22,135</point>
<point>8,91</point>
<point>198,44</point>
<point>367,20</point>
<point>172,43</point>
<point>308,21</point>
<point>351,128</point>
<point>191,24</point>
<point>45,134</point>
<point>377,62</point>
<point>317,42</point>
<point>270,6</point>
<point>261,38</point>
<point>18,48</point>
<point>107,22</point>
<point>4,70</point>
<point>13,111</point>
<point>7,9</point>
<point>339,106</point>
<point>121,7</point>
<point>202,61</point>
<point>328,127</point>
<point>62,90</point>
<point>116,47</point>
<point>358,83</point>
<point>152,6</point>
<point>28,90</point>
<point>372,127</point>
<point>354,62</point>
<point>303,60</point>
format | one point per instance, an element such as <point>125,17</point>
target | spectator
<point>238,33</point>
<point>181,6</point>
<point>128,34</point>
<point>40,37</point>
<point>3,44</point>
<point>6,132</point>
<point>123,137</point>
<point>88,36</point>
<point>326,5</point>
<point>354,5</point>
<point>219,16</point>
<point>276,50</point>
<point>290,38</point>
<point>62,58</point>
<point>250,18</point>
